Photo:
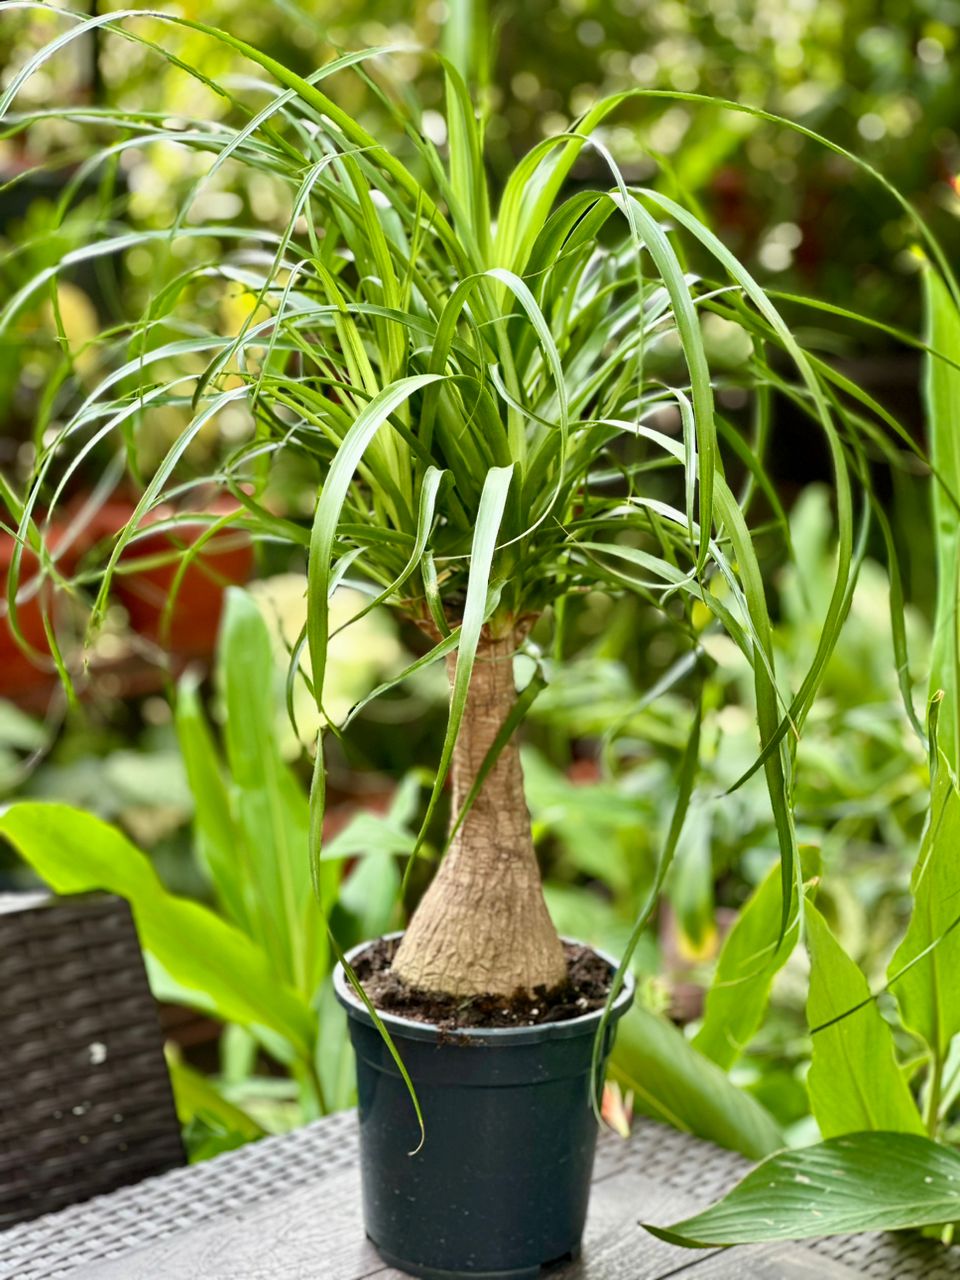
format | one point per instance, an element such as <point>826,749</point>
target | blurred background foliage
<point>876,81</point>
<point>601,754</point>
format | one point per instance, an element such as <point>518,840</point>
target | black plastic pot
<point>500,1185</point>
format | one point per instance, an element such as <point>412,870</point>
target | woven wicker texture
<point>96,1234</point>
<point>107,1228</point>
<point>85,1099</point>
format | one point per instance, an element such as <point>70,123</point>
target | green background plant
<point>859,1085</point>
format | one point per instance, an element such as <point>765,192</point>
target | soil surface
<point>586,988</point>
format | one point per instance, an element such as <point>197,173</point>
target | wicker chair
<point>85,1098</point>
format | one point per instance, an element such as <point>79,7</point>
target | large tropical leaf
<point>928,959</point>
<point>674,1083</point>
<point>217,837</point>
<point>198,1098</point>
<point>269,803</point>
<point>752,955</point>
<point>854,1081</point>
<point>860,1182</point>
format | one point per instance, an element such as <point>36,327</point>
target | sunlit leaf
<point>928,958</point>
<point>751,956</point>
<point>854,1081</point>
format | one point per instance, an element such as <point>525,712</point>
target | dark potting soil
<point>586,988</point>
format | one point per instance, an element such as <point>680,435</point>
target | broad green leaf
<point>371,894</point>
<point>216,836</point>
<point>367,833</point>
<point>170,990</point>
<point>854,1081</point>
<point>674,1083</point>
<point>269,803</point>
<point>238,1054</point>
<point>75,852</point>
<point>597,825</point>
<point>942,401</point>
<point>751,956</point>
<point>928,992</point>
<point>197,1097</point>
<point>690,887</point>
<point>860,1182</point>
<point>950,1082</point>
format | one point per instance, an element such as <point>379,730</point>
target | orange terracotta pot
<point>226,559</point>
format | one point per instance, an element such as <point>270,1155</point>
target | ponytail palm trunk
<point>483,925</point>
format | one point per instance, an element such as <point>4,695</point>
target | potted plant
<point>508,400</point>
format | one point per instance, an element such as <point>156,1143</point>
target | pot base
<point>432,1273</point>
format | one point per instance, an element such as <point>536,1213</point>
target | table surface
<point>289,1209</point>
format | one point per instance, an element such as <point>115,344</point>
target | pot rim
<point>413,1029</point>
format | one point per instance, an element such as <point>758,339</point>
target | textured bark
<point>483,925</point>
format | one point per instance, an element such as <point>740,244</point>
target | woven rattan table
<point>289,1209</point>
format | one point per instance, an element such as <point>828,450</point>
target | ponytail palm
<point>479,378</point>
